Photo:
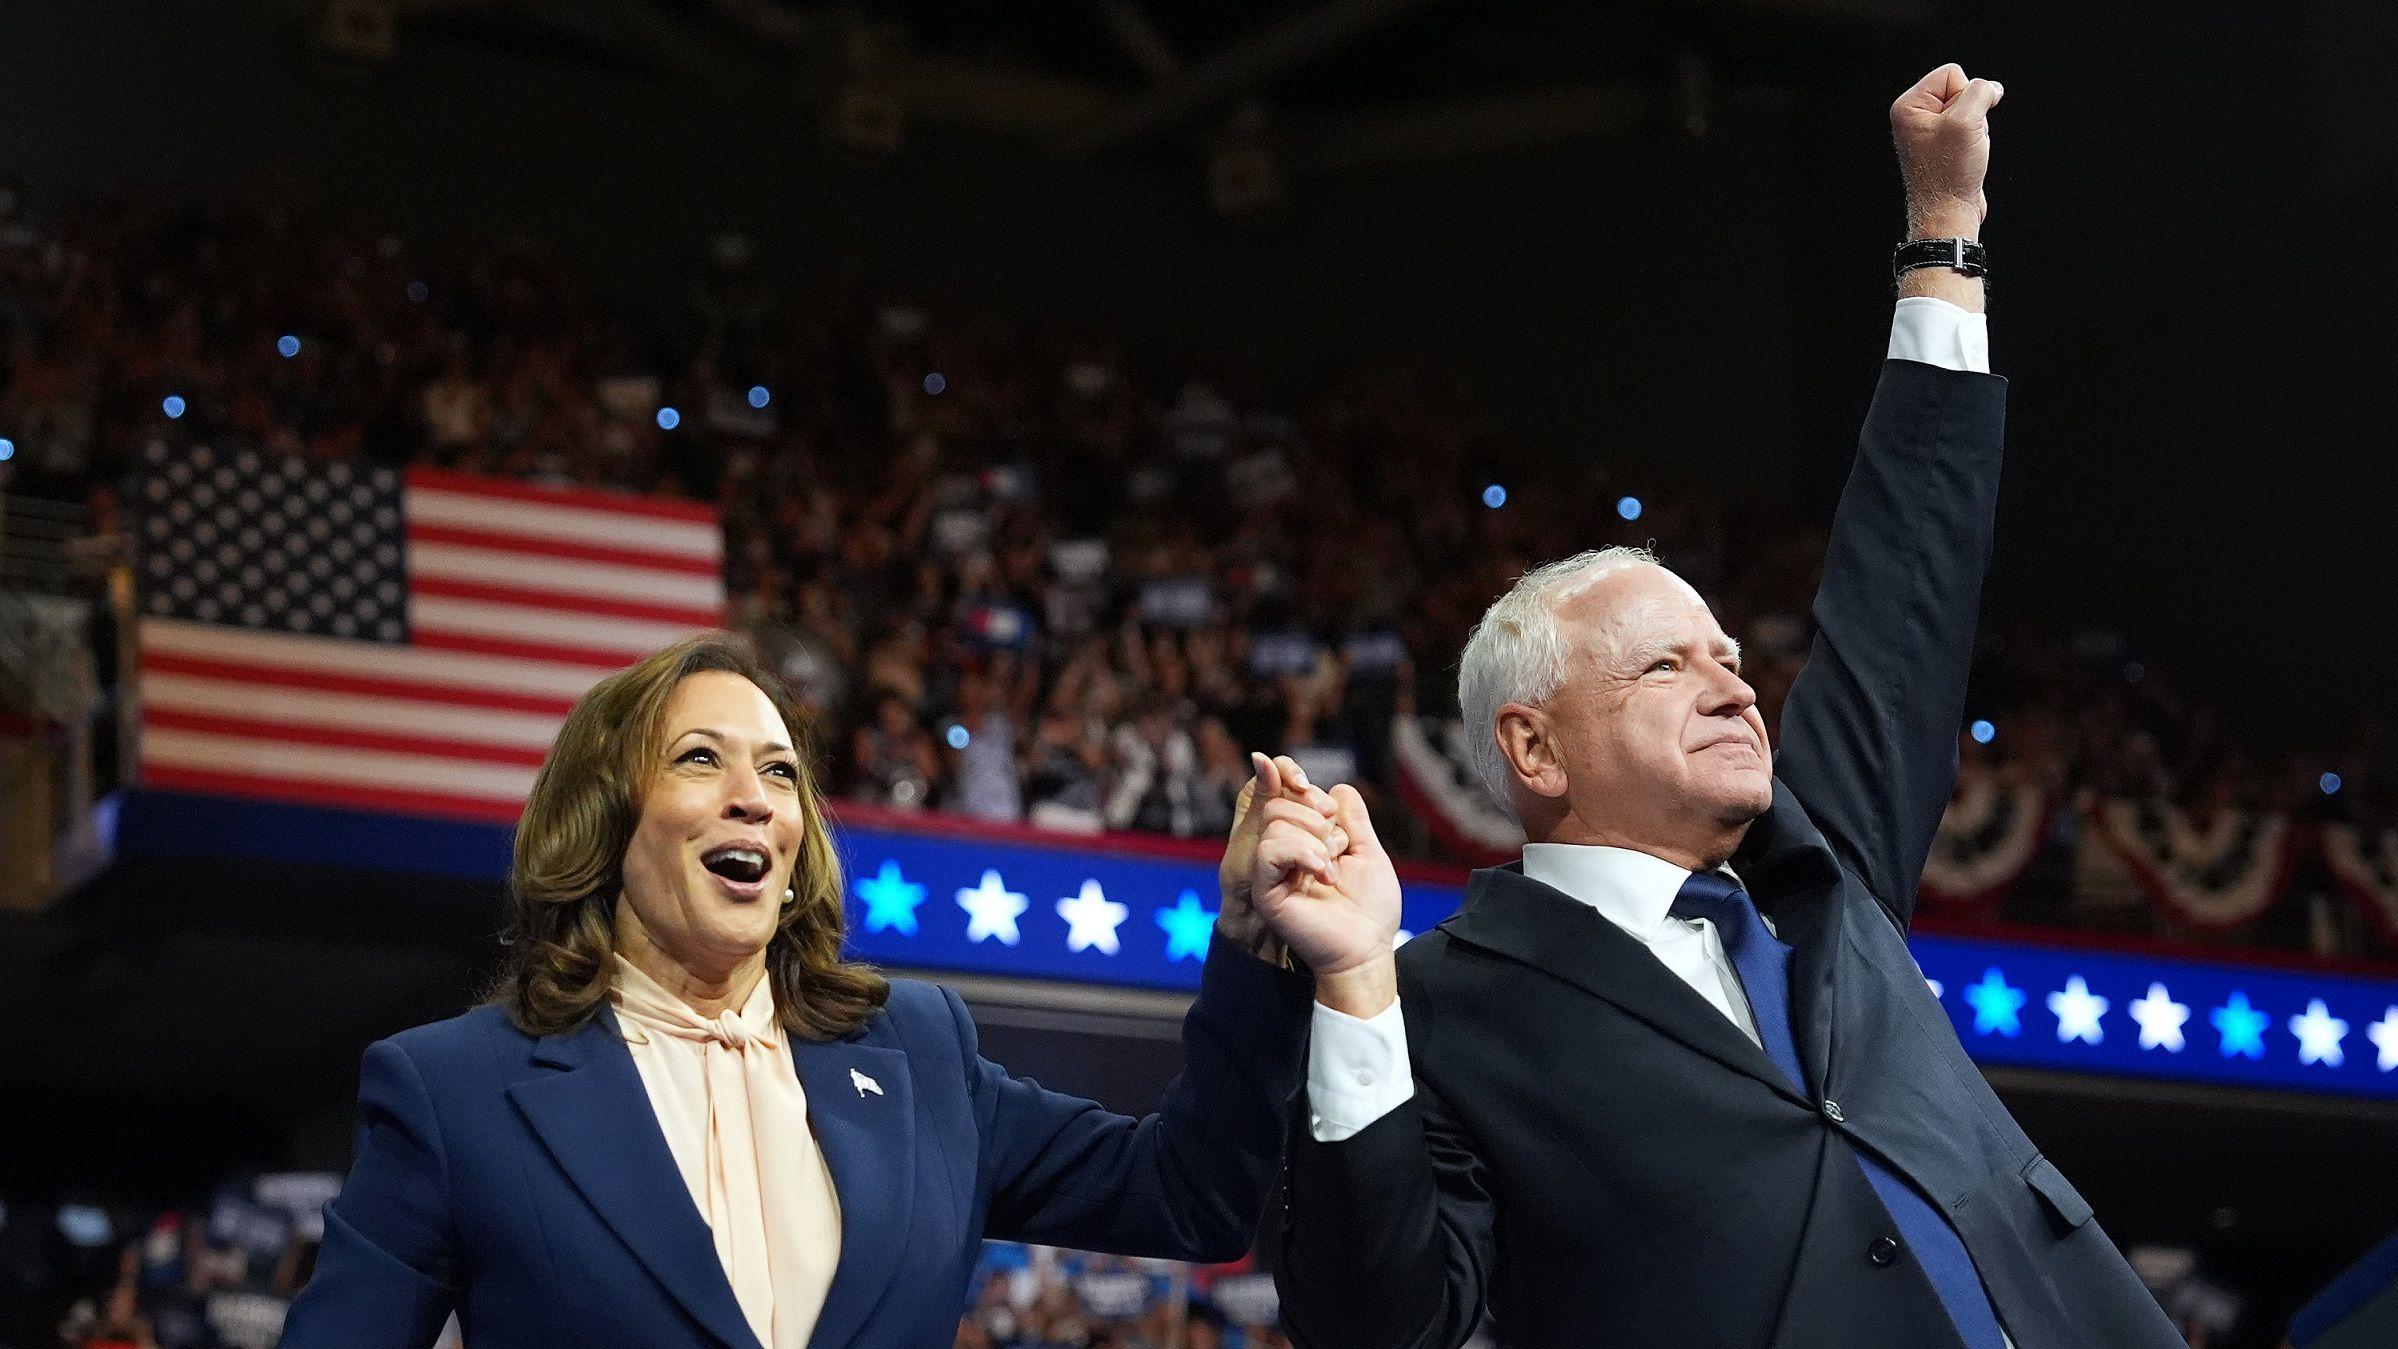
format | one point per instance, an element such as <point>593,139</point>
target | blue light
<point>288,345</point>
<point>758,396</point>
<point>1997,1005</point>
<point>8,449</point>
<point>1983,732</point>
<point>934,384</point>
<point>419,292</point>
<point>891,899</point>
<point>2241,1026</point>
<point>173,406</point>
<point>958,737</point>
<point>669,419</point>
<point>1188,927</point>
<point>1494,496</point>
<point>1628,507</point>
<point>2330,783</point>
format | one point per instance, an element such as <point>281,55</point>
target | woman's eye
<point>696,754</point>
<point>790,771</point>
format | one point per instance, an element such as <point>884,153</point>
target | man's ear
<point>1527,743</point>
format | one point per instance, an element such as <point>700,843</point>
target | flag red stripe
<point>587,498</point>
<point>341,737</point>
<point>698,616</point>
<point>333,794</point>
<point>498,699</point>
<point>596,658</point>
<point>573,552</point>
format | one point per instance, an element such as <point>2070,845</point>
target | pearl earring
<point>789,894</point>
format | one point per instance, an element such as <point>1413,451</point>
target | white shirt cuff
<point>1357,1071</point>
<point>1935,332</point>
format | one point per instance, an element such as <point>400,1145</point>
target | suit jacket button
<point>1882,1251</point>
<point>1831,1111</point>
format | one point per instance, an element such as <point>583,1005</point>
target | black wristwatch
<point>1961,255</point>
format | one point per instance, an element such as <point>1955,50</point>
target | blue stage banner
<point>1040,911</point>
<point>2088,1011</point>
<point>1015,904</point>
<point>1044,912</point>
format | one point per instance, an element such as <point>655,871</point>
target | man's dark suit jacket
<point>526,1185</point>
<point>1598,1157</point>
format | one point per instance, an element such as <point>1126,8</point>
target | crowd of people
<point>221,1273</point>
<point>1031,574</point>
<point>217,1275</point>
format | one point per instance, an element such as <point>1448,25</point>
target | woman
<point>683,1119</point>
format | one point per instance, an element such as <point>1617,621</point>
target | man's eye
<point>1663,665</point>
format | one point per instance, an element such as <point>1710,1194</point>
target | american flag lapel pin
<point>864,1083</point>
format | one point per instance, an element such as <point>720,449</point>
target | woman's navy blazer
<point>523,1182</point>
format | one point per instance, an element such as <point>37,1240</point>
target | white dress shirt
<point>1357,1069</point>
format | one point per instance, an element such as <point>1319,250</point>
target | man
<point>1674,1079</point>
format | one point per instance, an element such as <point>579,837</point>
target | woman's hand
<point>1308,865</point>
<point>1240,920</point>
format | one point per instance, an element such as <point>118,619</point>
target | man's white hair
<point>1516,654</point>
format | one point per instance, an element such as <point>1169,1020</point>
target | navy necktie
<point>1763,963</point>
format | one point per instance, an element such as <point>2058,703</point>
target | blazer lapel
<point>864,1114</point>
<point>1525,920</point>
<point>594,1116</point>
<point>1793,874</point>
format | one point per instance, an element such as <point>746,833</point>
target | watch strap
<point>1961,255</point>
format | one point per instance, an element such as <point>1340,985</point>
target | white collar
<point>1631,889</point>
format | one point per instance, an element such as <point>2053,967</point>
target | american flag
<point>341,634</point>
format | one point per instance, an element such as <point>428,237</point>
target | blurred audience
<point>1029,574</point>
<point>221,1275</point>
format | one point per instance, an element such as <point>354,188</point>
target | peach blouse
<point>735,1117</point>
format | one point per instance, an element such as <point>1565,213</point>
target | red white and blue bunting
<point>2364,864</point>
<point>1438,782</point>
<point>2221,873</point>
<point>1988,837</point>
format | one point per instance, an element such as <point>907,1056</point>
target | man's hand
<point>1942,127</point>
<point>1319,877</point>
<point>1240,920</point>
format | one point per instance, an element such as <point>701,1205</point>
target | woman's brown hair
<point>570,847</point>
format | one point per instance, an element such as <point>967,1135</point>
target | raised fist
<point>1942,128</point>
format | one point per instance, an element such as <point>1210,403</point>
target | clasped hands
<point>1304,874</point>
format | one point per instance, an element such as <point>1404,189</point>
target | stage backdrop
<point>939,894</point>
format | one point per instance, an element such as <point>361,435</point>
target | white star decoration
<point>2160,1019</point>
<point>991,910</point>
<point>2077,1010</point>
<point>2319,1034</point>
<point>1091,918</point>
<point>2384,1035</point>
